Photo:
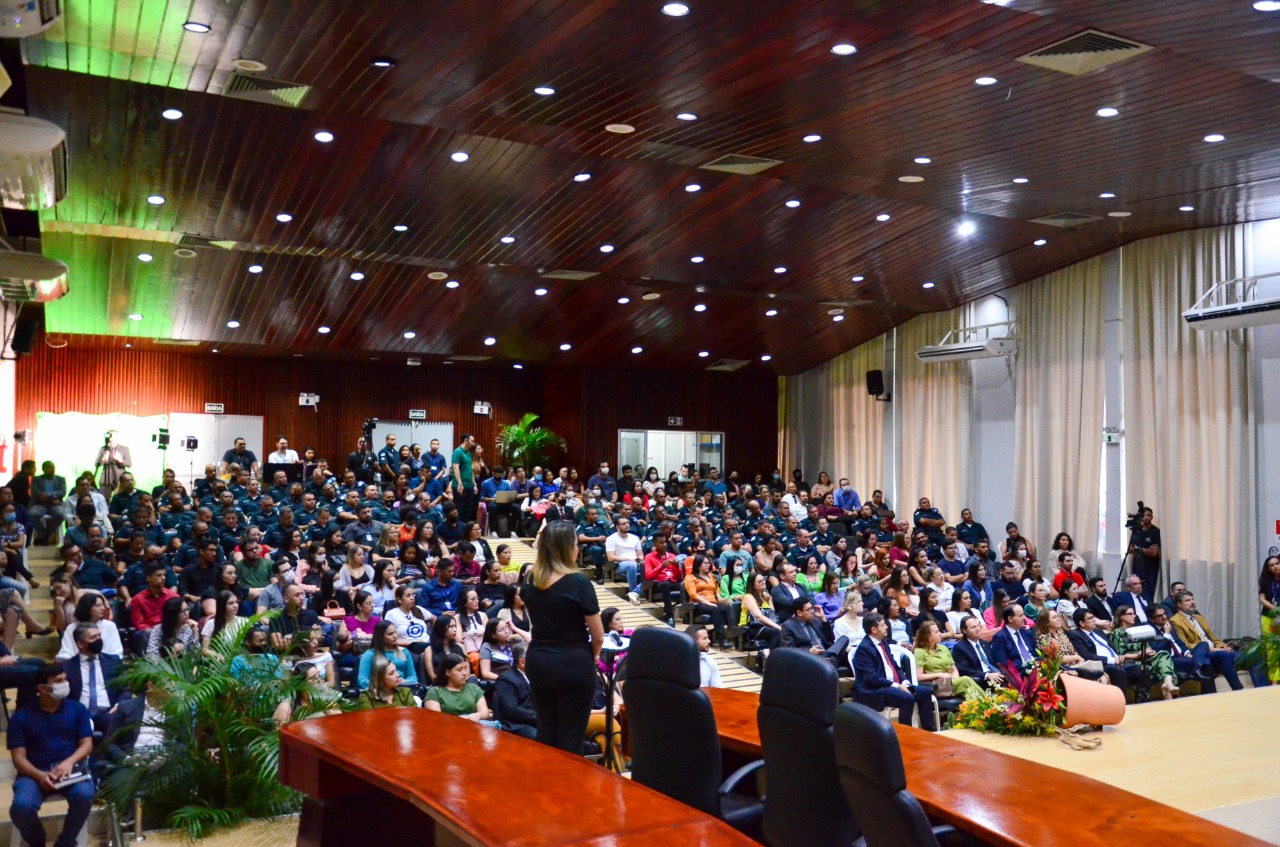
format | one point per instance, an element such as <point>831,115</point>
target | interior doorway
<point>667,450</point>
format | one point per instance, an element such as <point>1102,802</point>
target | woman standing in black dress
<point>561,662</point>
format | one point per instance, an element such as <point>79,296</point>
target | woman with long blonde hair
<point>561,662</point>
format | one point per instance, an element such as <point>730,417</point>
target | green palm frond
<point>524,445</point>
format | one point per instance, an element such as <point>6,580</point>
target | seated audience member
<point>830,599</point>
<point>440,595</point>
<point>625,550</point>
<point>1069,599</point>
<point>454,695</point>
<point>257,660</point>
<point>704,593</point>
<point>1070,569</point>
<point>306,703</point>
<point>445,640</point>
<point>1134,598</point>
<point>176,632</point>
<point>413,623</point>
<point>495,651</point>
<point>707,669</point>
<point>384,688</point>
<point>974,658</point>
<point>293,619</point>
<point>92,608</point>
<point>1170,602</point>
<point>666,576</point>
<point>804,631</point>
<point>147,607</point>
<point>757,613</point>
<point>1037,602</point>
<point>848,624</point>
<point>931,609</point>
<point>1094,646</point>
<point>897,622</point>
<point>1159,661</point>
<point>880,683</point>
<point>1049,629</point>
<point>935,665</point>
<point>1098,602</point>
<point>92,675</point>
<point>789,594</point>
<point>513,698</point>
<point>386,647</point>
<point>514,613</point>
<point>1212,656</point>
<point>1013,645</point>
<point>356,634</point>
<point>1183,662</point>
<point>49,739</point>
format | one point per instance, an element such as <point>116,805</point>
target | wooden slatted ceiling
<point>759,76</point>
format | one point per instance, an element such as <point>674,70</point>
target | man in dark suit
<point>804,633</point>
<point>787,595</point>
<point>1092,645</point>
<point>1133,596</point>
<point>512,697</point>
<point>1185,662</point>
<point>1102,606</point>
<point>974,658</point>
<point>91,674</point>
<point>880,683</point>
<point>1012,645</point>
<point>1170,603</point>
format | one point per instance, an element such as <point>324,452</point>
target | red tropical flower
<point>1049,699</point>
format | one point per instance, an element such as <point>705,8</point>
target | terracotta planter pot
<point>1091,702</point>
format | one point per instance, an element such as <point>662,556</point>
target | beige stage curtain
<point>933,413</point>
<point>830,423</point>
<point>1189,432</point>
<point>1058,415</point>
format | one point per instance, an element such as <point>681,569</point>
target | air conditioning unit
<point>33,162</point>
<point>1235,304</point>
<point>975,342</point>
<point>23,18</point>
<point>31,278</point>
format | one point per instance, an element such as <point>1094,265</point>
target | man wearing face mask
<point>48,739</point>
<point>608,485</point>
<point>91,674</point>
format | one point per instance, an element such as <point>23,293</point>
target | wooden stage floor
<point>1202,754</point>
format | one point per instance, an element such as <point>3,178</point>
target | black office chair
<point>869,761</point>
<point>674,746</point>
<point>797,702</point>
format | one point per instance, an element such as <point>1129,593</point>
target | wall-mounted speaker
<point>875,385</point>
<point>24,336</point>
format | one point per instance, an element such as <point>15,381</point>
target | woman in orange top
<point>704,594</point>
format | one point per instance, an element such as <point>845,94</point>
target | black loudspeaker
<point>24,335</point>
<point>875,383</point>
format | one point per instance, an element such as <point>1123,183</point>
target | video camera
<point>367,428</point>
<point>1135,518</point>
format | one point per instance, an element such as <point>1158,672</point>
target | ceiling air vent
<point>260,89</point>
<point>470,358</point>
<point>177,342</point>
<point>728,365</point>
<point>1085,52</point>
<point>570,274</point>
<point>1067,220</point>
<point>201,241</point>
<point>745,165</point>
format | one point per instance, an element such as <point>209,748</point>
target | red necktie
<point>884,648</point>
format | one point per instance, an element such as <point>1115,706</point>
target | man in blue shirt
<point>47,739</point>
<point>969,531</point>
<point>929,521</point>
<point>47,493</point>
<point>716,485</point>
<point>500,514</point>
<point>389,461</point>
<point>436,461</point>
<point>441,594</point>
<point>608,485</point>
<point>847,501</point>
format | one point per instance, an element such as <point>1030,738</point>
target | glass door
<point>710,452</point>
<point>631,450</point>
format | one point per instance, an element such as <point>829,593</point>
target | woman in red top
<point>661,569</point>
<point>638,499</point>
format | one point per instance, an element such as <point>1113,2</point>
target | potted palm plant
<point>1265,651</point>
<point>524,445</point>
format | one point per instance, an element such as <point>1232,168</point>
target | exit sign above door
<point>675,421</point>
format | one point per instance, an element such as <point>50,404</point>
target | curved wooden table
<point>410,776</point>
<point>984,792</point>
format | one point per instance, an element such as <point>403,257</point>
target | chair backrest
<point>869,761</point>
<point>804,806</point>
<point>674,746</point>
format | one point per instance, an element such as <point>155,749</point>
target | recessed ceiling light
<point>858,278</point>
<point>809,139</point>
<point>772,313</point>
<point>581,177</point>
<point>357,275</point>
<point>135,316</point>
<point>540,292</point>
<point>700,307</point>
<point>910,178</point>
<point>297,355</point>
<point>171,114</point>
<point>255,269</point>
<point>284,217</point>
<point>156,199</point>
<point>1267,5</point>
<point>196,26</point>
<point>923,160</point>
<point>766,358</point>
<point>1020,180</point>
<point>459,156</point>
<point>1119,214</point>
<point>323,136</point>
<point>490,341</point>
<point>843,49</point>
<point>793,204</point>
<point>128,345</point>
<point>624,300</point>
<point>233,324</point>
<point>145,257</point>
<point>1186,208</point>
<point>1215,137</point>
<point>408,333</point>
<point>675,10</point>
<point>966,229</point>
<point>1040,242</point>
<point>780,269</point>
<point>927,285</point>
<point>704,354</point>
<point>518,366</point>
<point>324,330</point>
<point>686,116</point>
<point>697,260</point>
<point>508,239</point>
<point>383,62</point>
<point>838,318</point>
<point>986,80</point>
<point>453,283</point>
<point>606,248</point>
<point>1107,195</point>
<point>214,350</point>
<point>402,228</point>
<point>1107,112</point>
<point>637,349</point>
<point>620,129</point>
<point>565,347</point>
<point>882,217</point>
<point>544,90</point>
<point>692,187</point>
<point>651,296</point>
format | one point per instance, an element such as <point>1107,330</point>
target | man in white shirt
<point>1093,645</point>
<point>792,499</point>
<point>1136,598</point>
<point>283,455</point>
<point>625,550</point>
<point>707,669</point>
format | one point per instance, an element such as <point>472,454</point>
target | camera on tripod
<point>1135,518</point>
<point>367,429</point>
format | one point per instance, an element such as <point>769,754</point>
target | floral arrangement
<point>1034,708</point>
